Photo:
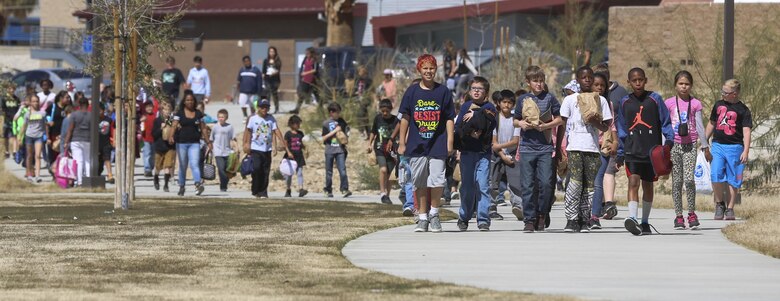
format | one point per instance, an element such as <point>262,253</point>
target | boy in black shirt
<point>642,118</point>
<point>294,139</point>
<point>730,124</point>
<point>384,125</point>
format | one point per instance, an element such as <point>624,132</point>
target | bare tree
<point>340,21</point>
<point>580,28</point>
<point>132,29</point>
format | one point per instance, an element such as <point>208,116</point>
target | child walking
<point>34,129</point>
<point>730,124</point>
<point>603,204</point>
<point>640,115</point>
<point>222,139</point>
<point>164,151</point>
<point>294,140</point>
<point>335,150</point>
<point>381,131</point>
<point>688,125</point>
<point>261,131</point>
<point>535,151</point>
<point>582,149</point>
<point>505,140</point>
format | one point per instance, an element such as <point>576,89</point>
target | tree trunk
<point>339,14</point>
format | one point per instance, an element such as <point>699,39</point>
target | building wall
<point>644,36</point>
<point>378,8</point>
<point>227,40</point>
<point>59,13</point>
<point>18,57</point>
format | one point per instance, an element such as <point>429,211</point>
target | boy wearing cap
<point>388,90</point>
<point>427,128</point>
<point>261,129</point>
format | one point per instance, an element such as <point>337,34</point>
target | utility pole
<point>728,39</point>
<point>94,180</point>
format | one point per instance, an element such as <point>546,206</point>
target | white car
<point>58,76</point>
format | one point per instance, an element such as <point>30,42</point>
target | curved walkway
<point>604,264</point>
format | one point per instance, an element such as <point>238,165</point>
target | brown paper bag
<point>371,159</point>
<point>343,138</point>
<point>609,138</point>
<point>530,111</point>
<point>456,173</point>
<point>590,106</point>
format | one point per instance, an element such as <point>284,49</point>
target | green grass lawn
<point>201,249</point>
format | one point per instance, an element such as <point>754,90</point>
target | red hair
<point>425,58</point>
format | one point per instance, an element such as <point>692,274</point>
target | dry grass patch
<point>201,249</point>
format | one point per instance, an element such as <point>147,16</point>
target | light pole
<point>94,180</point>
<point>728,39</point>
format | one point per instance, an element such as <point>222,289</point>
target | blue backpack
<point>247,166</point>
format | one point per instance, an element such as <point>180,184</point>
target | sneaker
<point>501,203</point>
<point>571,226</point>
<point>288,193</point>
<point>693,221</point>
<point>435,223</point>
<point>447,202</point>
<point>483,227</point>
<point>30,179</point>
<point>720,210</point>
<point>385,200</point>
<point>263,196</point>
<point>730,214</point>
<point>610,211</point>
<point>455,195</point>
<point>222,190</point>
<point>422,226</point>
<point>529,228</point>
<point>582,226</point>
<point>408,211</point>
<point>302,193</point>
<point>646,229</point>
<point>329,194</point>
<point>346,193</point>
<point>541,222</point>
<point>495,215</point>
<point>181,191</point>
<point>594,223</point>
<point>463,225</point>
<point>679,223</point>
<point>632,226</point>
<point>38,179</point>
<point>199,189</point>
<point>147,174</point>
<point>518,212</point>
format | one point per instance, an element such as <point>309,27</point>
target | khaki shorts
<point>427,172</point>
<point>165,160</point>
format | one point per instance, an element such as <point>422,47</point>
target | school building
<point>656,37</point>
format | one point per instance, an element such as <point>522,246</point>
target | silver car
<point>58,76</point>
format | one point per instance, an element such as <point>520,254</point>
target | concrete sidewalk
<point>604,264</point>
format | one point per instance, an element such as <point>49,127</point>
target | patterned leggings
<point>583,167</point>
<point>684,164</point>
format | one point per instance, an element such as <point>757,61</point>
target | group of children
<point>522,142</point>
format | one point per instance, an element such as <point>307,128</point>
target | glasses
<point>478,89</point>
<point>724,93</point>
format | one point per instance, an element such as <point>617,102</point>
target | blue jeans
<point>536,169</point>
<point>148,156</point>
<point>188,153</point>
<point>406,185</point>
<point>598,187</point>
<point>475,184</point>
<point>342,166</point>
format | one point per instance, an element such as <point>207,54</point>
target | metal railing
<point>46,37</point>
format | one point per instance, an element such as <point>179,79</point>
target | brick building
<point>654,37</point>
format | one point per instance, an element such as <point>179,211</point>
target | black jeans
<point>261,162</point>
<point>221,167</point>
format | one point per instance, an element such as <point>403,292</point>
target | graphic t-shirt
<point>332,145</point>
<point>579,135</point>
<point>681,117</point>
<point>383,128</point>
<point>729,120</point>
<point>642,124</point>
<point>428,112</point>
<point>36,124</point>
<point>262,129</point>
<point>295,143</point>
<point>533,141</point>
<point>171,81</point>
<point>10,106</point>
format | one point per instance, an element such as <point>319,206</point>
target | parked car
<point>338,63</point>
<point>58,76</point>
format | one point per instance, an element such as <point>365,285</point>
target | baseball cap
<point>388,71</point>
<point>264,102</point>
